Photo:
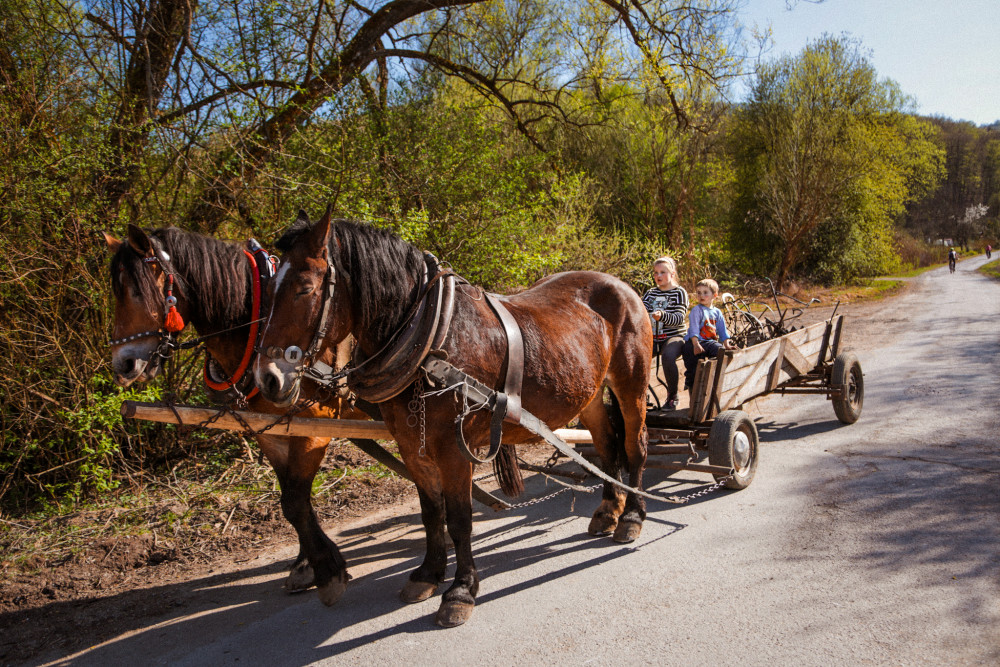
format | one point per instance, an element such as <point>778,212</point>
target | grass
<point>991,269</point>
<point>183,510</point>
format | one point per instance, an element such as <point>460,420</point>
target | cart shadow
<point>774,431</point>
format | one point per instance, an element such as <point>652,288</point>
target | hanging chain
<point>418,414</point>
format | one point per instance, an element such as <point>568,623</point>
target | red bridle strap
<point>251,339</point>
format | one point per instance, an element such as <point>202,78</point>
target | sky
<point>944,53</point>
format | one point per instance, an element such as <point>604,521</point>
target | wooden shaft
<point>303,426</point>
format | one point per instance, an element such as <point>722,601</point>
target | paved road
<point>875,543</point>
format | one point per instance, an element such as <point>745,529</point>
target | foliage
<point>827,161</point>
<point>511,139</point>
<point>972,181</point>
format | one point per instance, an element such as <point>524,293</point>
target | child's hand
<point>696,346</point>
<point>729,344</point>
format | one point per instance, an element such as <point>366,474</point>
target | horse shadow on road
<point>170,620</point>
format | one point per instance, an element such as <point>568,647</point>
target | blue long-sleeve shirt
<point>706,324</point>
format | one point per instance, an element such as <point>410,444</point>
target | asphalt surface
<point>874,543</point>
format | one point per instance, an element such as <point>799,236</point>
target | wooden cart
<point>806,361</point>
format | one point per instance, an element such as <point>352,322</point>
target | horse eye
<point>305,289</point>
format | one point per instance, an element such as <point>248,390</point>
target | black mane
<point>372,264</point>
<point>212,276</point>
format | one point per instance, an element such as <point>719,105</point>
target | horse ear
<point>319,235</point>
<point>301,219</point>
<point>139,241</point>
<point>113,243</point>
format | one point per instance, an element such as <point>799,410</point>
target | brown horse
<point>582,332</point>
<point>213,283</point>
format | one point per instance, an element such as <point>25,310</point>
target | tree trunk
<point>153,51</point>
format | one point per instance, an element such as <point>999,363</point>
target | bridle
<point>293,354</point>
<point>167,344</point>
<point>388,371</point>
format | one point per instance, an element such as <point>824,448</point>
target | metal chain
<point>677,500</point>
<point>418,414</point>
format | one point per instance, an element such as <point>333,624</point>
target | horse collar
<point>240,374</point>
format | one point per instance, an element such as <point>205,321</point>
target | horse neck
<point>374,335</point>
<point>201,290</point>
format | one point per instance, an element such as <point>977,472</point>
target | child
<point>707,332</point>
<point>667,304</point>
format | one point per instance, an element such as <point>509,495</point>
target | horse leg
<point>459,600</point>
<point>424,580</point>
<point>633,413</point>
<point>316,551</point>
<point>595,418</point>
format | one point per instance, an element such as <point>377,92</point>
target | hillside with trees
<point>512,139</point>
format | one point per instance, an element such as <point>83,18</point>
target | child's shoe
<point>671,403</point>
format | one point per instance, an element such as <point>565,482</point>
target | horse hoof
<point>330,593</point>
<point>454,613</point>
<point>602,525</point>
<point>417,591</point>
<point>300,579</point>
<point>627,531</point>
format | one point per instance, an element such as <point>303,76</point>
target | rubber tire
<point>725,429</point>
<point>847,373</point>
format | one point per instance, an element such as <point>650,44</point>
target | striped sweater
<point>674,304</point>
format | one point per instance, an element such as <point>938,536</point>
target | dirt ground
<point>106,588</point>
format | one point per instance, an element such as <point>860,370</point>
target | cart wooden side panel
<point>760,369</point>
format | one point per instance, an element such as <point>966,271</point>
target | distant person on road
<point>989,251</point>
<point>952,259</point>
<point>706,333</point>
<point>667,304</point>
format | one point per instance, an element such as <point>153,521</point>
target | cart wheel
<point>847,375</point>
<point>733,443</point>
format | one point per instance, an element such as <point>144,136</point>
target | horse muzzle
<point>277,385</point>
<point>129,367</point>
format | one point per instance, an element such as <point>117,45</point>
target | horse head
<point>149,306</point>
<point>306,315</point>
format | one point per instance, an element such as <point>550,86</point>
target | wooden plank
<point>795,358</point>
<point>737,398</point>
<point>836,336</point>
<point>774,372</point>
<point>807,340</point>
<point>302,426</point>
<point>824,349</point>
<point>772,367</point>
<point>706,367</point>
<point>721,361</point>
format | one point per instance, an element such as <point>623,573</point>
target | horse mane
<point>211,275</point>
<point>372,263</point>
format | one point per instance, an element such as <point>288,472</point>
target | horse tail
<point>507,471</point>
<point>617,419</point>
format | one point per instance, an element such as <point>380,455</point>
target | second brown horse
<point>582,331</point>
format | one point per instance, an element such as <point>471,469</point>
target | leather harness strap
<point>515,359</point>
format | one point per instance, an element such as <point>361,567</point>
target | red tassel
<point>174,321</point>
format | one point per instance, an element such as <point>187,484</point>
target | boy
<point>667,304</point>
<point>707,332</point>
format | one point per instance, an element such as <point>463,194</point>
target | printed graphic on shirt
<point>708,329</point>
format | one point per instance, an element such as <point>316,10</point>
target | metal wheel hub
<point>741,451</point>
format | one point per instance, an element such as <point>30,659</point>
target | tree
<point>247,76</point>
<point>972,178</point>
<point>825,152</point>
